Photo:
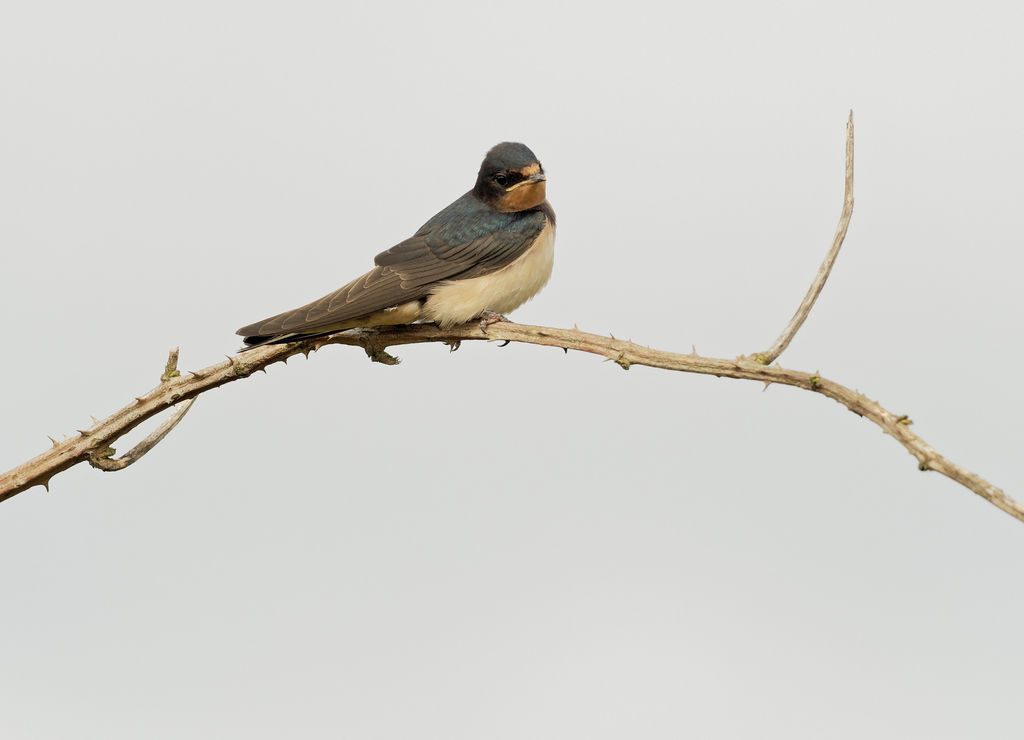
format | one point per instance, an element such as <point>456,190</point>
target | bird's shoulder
<point>470,231</point>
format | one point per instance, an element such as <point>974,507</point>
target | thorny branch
<point>190,385</point>
<point>95,444</point>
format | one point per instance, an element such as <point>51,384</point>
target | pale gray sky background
<point>515,543</point>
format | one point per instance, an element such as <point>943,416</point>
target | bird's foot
<point>490,317</point>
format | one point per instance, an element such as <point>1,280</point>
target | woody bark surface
<point>95,445</point>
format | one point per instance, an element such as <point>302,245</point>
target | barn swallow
<point>484,255</point>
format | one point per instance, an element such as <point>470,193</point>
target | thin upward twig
<point>769,356</point>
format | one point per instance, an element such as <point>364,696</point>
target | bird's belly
<point>457,301</point>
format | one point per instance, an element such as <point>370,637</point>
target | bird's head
<point>511,178</point>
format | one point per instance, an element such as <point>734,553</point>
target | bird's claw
<point>490,317</point>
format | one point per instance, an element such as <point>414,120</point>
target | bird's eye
<point>501,178</point>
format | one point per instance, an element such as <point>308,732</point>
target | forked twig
<point>104,460</point>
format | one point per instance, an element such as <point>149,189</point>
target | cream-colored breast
<point>457,301</point>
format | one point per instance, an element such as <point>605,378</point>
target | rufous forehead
<point>533,169</point>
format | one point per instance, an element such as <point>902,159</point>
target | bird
<point>482,256</point>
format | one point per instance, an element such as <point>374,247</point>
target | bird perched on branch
<point>484,255</point>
